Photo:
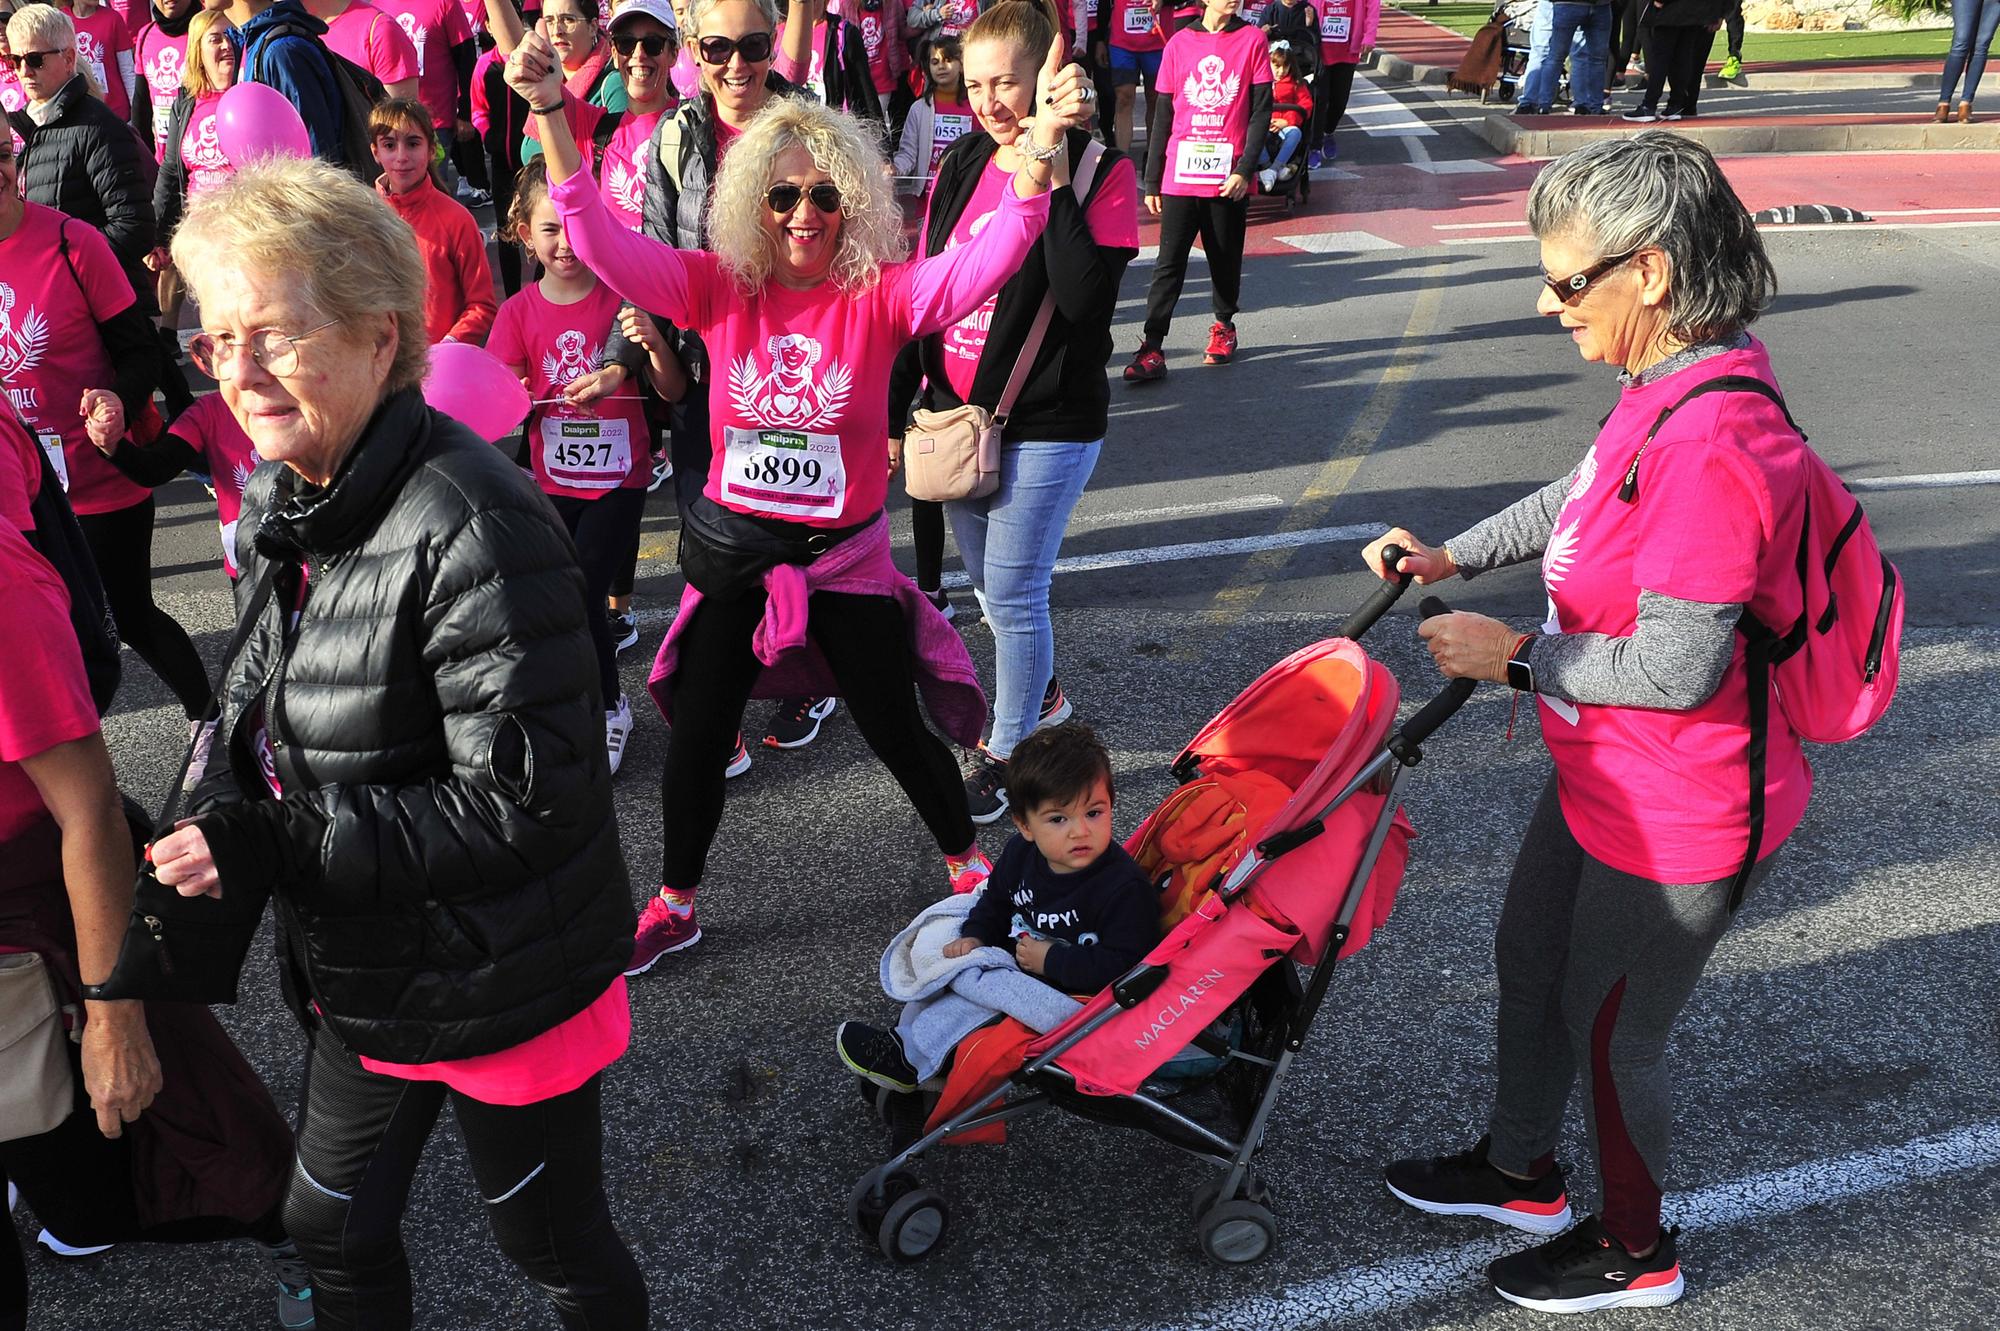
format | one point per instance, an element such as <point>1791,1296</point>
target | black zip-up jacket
<point>1100,920</point>
<point>1162,127</point>
<point>850,85</point>
<point>444,859</point>
<point>1067,397</point>
<point>88,163</point>
<point>170,191</point>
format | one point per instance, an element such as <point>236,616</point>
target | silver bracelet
<point>1034,154</point>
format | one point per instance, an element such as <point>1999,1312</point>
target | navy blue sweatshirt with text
<point>1099,920</point>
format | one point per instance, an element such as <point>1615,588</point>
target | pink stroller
<point>1282,849</point>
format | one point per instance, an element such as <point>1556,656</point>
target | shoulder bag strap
<point>1080,181</point>
<point>259,598</point>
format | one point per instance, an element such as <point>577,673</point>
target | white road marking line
<point>1338,242</point>
<point>1475,226</point>
<point>1930,212</point>
<point>1392,1286</point>
<point>1937,480</point>
<point>1240,504</point>
<point>1240,545</point>
<point>1369,101</point>
<point>1150,254</point>
<point>1420,158</point>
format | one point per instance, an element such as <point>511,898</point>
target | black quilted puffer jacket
<point>444,856</point>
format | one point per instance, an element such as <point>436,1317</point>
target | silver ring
<point>1087,93</point>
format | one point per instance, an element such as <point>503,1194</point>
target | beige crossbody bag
<point>35,1088</point>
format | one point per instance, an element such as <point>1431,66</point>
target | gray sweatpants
<point>1595,966</point>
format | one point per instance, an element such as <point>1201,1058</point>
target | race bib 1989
<point>787,473</point>
<point>586,454</point>
<point>1138,20</point>
<point>1202,163</point>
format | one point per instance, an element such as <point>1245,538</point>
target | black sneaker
<point>1466,1184</point>
<point>1055,707</point>
<point>986,788</point>
<point>943,604</point>
<point>1586,1269</point>
<point>871,1052</point>
<point>624,629</point>
<point>795,722</point>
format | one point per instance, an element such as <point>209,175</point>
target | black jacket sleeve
<point>143,110</point>
<point>135,357</point>
<point>1083,274</point>
<point>1128,929</point>
<point>1260,128</point>
<point>119,177</point>
<point>904,377</point>
<point>463,57</point>
<point>1157,135</point>
<point>170,190</point>
<point>155,464</point>
<point>994,911</point>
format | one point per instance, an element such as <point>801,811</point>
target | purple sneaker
<point>663,928</point>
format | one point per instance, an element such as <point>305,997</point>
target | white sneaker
<point>61,1249</point>
<point>1268,178</point>
<point>617,731</point>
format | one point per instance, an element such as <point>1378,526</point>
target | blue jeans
<point>1973,23</point>
<point>1583,30</point>
<point>1284,145</point>
<point>1009,542</point>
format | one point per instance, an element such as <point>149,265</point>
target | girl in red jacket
<point>458,294</point>
<point>1288,125</point>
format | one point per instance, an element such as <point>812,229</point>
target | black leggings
<point>1679,53</point>
<point>865,642</point>
<point>1221,225</point>
<point>79,1183</point>
<point>603,530</point>
<point>538,1167</point>
<point>927,534</point>
<point>1332,86</point>
<point>122,544</point>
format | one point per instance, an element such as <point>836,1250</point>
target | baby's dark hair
<point>1056,765</point>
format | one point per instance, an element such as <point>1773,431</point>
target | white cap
<point>659,10</point>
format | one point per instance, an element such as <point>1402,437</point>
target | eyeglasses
<point>754,47</point>
<point>1569,290</point>
<point>565,21</point>
<point>784,196</point>
<point>654,44</point>
<point>275,353</point>
<point>32,59</point>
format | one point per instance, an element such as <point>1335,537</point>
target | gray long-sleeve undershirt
<point>1675,656</point>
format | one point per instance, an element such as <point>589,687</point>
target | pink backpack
<point>1836,664</point>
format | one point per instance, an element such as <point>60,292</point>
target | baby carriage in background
<point>1293,185</point>
<point>1497,60</point>
<point>1282,849</point>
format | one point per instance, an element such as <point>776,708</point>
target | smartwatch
<point>1520,673</point>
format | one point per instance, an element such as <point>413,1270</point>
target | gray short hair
<point>698,9</point>
<point>317,226</point>
<point>1662,191</point>
<point>41,23</point>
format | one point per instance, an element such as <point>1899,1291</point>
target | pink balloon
<point>470,385</point>
<point>254,121</point>
<point>686,74</point>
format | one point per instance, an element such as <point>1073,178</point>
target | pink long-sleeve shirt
<point>798,401</point>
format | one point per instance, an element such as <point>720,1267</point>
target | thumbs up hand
<point>1065,98</point>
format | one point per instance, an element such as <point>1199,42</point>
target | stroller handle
<point>1440,708</point>
<point>1386,595</point>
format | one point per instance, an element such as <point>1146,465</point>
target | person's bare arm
<point>504,22</point>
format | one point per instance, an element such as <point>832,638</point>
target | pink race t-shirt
<point>12,98</point>
<point>47,698</point>
<point>136,13</point>
<point>1135,26</point>
<point>1347,29</point>
<point>1662,794</point>
<point>50,349</point>
<point>958,16</point>
<point>99,39</point>
<point>372,40</point>
<point>211,429</point>
<point>20,475</point>
<point>1209,75</point>
<point>161,58</point>
<point>434,27</point>
<point>875,37</point>
<point>578,452</point>
<point>622,175</point>
<point>201,149</point>
<point>1113,220</point>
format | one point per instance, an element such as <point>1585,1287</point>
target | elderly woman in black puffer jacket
<point>411,759</point>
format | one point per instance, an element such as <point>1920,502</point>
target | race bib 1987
<point>1202,163</point>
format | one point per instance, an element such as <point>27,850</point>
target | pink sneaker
<point>969,874</point>
<point>662,929</point>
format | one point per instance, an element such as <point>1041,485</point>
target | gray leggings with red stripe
<point>1595,967</point>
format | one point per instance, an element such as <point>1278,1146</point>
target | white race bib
<point>586,454</point>
<point>787,473</point>
<point>1335,27</point>
<point>52,446</point>
<point>1138,20</point>
<point>1203,163</point>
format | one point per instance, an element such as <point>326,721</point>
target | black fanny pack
<point>725,554</point>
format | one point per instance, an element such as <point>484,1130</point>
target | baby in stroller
<point>1291,115</point>
<point>1065,904</point>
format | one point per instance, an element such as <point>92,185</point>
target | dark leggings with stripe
<point>1595,968</point>
<point>122,544</point>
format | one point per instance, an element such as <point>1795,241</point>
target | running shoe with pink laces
<point>1221,344</point>
<point>969,872</point>
<point>664,926</point>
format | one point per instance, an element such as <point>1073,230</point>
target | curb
<point>1396,67</point>
<point>1508,135</point>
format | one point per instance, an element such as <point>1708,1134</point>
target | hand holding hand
<point>1426,564</point>
<point>534,71</point>
<point>121,1073</point>
<point>959,947</point>
<point>1469,646</point>
<point>103,419</point>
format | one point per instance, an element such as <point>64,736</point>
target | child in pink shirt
<point>104,47</point>
<point>206,438</point>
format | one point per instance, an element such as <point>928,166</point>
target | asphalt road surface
<point>1836,1075</point>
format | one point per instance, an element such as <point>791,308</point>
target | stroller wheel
<point>866,1206</point>
<point>1254,1189</point>
<point>914,1226</point>
<point>1237,1233</point>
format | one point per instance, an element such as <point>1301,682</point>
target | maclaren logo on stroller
<point>1177,1007</point>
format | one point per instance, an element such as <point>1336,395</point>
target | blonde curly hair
<point>871,222</point>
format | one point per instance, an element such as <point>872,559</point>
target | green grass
<point>1919,44</point>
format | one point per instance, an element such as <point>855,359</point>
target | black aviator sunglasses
<point>784,196</point>
<point>754,47</point>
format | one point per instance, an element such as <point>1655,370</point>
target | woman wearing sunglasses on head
<point>803,305</point>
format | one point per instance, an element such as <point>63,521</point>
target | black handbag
<point>186,949</point>
<point>725,554</point>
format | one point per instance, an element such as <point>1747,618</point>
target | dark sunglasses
<point>754,47</point>
<point>784,196</point>
<point>32,59</point>
<point>1569,290</point>
<point>654,44</point>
